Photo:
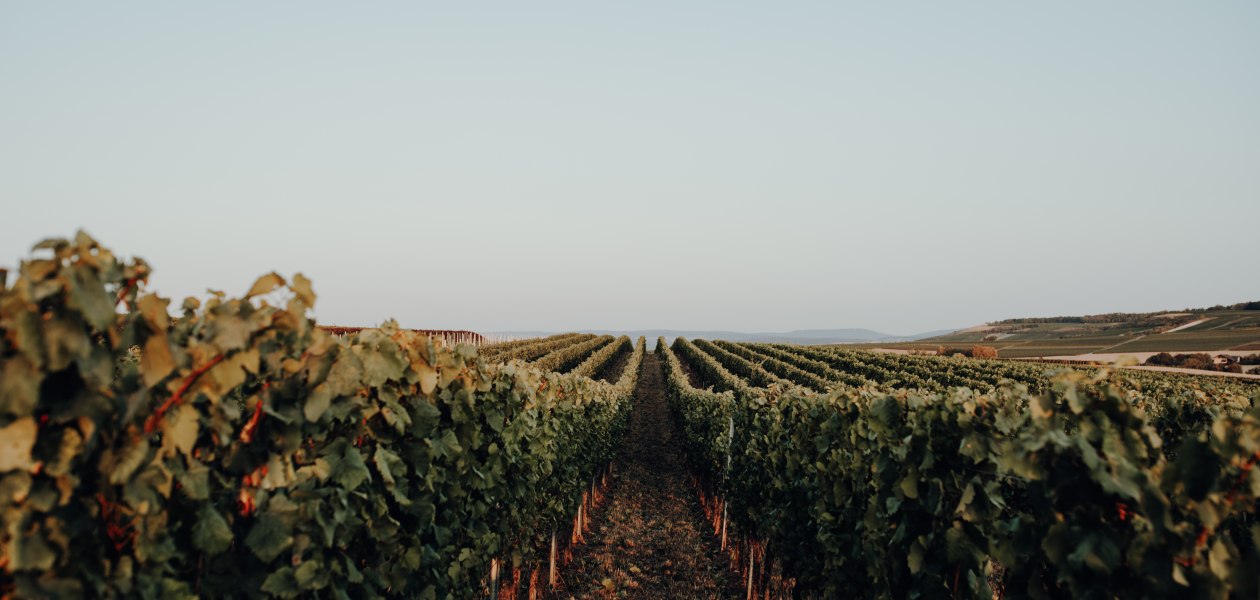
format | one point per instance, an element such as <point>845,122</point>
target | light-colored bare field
<point>1187,325</point>
<point>1112,357</point>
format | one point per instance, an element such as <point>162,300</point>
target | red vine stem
<point>151,423</point>
<point>1242,477</point>
<point>1230,498</point>
<point>127,285</point>
<point>247,432</point>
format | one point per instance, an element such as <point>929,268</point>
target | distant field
<point>1192,339</point>
<point>1220,330</point>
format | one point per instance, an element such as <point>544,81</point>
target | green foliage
<point>243,451</point>
<point>709,369</point>
<point>600,359</point>
<point>565,358</point>
<point>814,367</point>
<point>1100,486</point>
<point>532,349</point>
<point>752,372</point>
<point>704,416</point>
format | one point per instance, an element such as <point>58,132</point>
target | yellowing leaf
<point>265,285</point>
<point>181,433</point>
<point>280,473</point>
<point>156,361</point>
<point>231,373</point>
<point>428,378</point>
<point>302,288</point>
<point>16,442</point>
<point>153,309</point>
<point>910,484</point>
<point>1220,560</point>
<point>231,333</point>
<point>320,470</point>
<point>19,385</point>
<point>1179,575</point>
<point>914,560</point>
<point>71,445</point>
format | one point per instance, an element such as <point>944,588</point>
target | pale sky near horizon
<point>693,165</point>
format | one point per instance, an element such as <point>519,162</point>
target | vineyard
<point>239,449</point>
<point>832,471</point>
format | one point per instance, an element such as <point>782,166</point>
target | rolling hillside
<point>1203,330</point>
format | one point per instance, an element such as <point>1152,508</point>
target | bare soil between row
<point>649,538</point>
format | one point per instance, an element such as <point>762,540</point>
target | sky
<point>745,166</point>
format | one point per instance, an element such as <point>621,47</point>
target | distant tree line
<point>1240,306</point>
<point>1203,361</point>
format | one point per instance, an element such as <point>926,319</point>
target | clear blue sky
<point>748,166</point>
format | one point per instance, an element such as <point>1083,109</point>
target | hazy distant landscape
<point>1229,329</point>
<point>1200,330</point>
<point>804,336</point>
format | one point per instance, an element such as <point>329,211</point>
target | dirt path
<point>648,539</point>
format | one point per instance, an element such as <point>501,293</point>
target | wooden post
<point>583,514</point>
<point>750,572</point>
<point>724,519</point>
<point>551,571</point>
<point>494,579</point>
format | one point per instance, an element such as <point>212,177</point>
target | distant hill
<point>1224,329</point>
<point>802,336</point>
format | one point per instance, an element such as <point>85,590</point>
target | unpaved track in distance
<point>649,538</point>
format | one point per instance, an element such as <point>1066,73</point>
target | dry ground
<point>649,539</point>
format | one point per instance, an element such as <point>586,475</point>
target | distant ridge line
<point>800,336</point>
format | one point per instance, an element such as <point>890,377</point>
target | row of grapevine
<point>938,373</point>
<point>817,368</point>
<point>600,359</point>
<point>703,415</point>
<point>508,345</point>
<point>864,365</point>
<point>712,372</point>
<point>946,371</point>
<point>755,374</point>
<point>536,349</point>
<point>780,371</point>
<point>450,337</point>
<point>1086,489</point>
<point>1154,391</point>
<point>565,358</point>
<point>240,450</point>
